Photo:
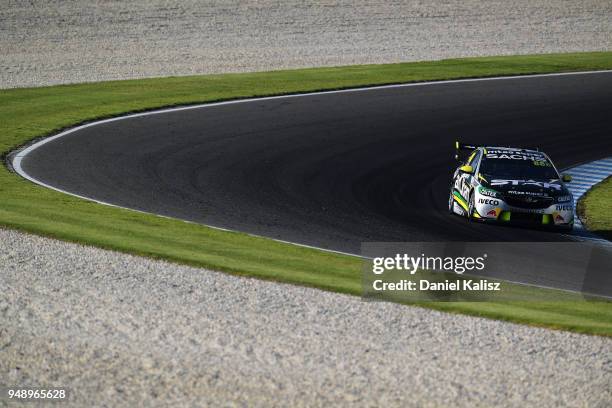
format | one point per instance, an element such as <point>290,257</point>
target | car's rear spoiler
<point>469,147</point>
<point>464,146</point>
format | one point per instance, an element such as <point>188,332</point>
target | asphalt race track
<point>331,170</point>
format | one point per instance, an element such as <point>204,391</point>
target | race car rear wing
<point>459,147</point>
<point>463,147</point>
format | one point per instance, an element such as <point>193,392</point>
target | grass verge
<point>29,113</point>
<point>594,209</point>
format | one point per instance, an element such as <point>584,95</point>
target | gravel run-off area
<point>119,330</point>
<point>57,41</point>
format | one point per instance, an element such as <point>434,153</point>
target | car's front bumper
<point>495,209</point>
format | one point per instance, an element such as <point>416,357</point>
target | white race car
<point>509,185</point>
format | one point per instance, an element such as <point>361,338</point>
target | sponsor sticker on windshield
<point>508,154</point>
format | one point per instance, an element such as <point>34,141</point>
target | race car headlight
<point>564,198</point>
<point>489,193</point>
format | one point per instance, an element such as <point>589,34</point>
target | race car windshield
<point>518,169</point>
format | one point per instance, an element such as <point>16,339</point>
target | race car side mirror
<point>566,178</point>
<point>466,169</point>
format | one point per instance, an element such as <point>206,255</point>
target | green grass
<point>594,209</point>
<point>30,113</point>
